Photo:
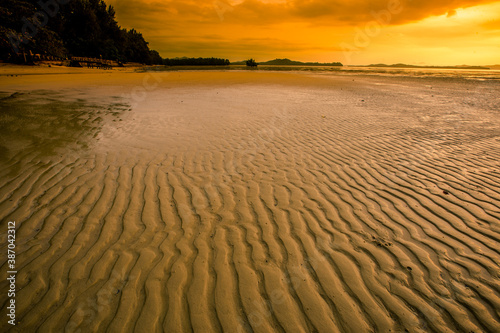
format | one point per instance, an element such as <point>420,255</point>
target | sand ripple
<point>260,207</point>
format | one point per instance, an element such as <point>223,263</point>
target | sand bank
<point>250,201</point>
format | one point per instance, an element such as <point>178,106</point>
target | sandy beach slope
<point>251,201</point>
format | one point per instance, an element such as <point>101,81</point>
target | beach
<point>250,201</point>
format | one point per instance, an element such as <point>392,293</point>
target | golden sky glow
<point>432,32</point>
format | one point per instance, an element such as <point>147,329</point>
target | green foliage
<point>84,28</point>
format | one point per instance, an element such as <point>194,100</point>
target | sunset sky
<point>430,32</point>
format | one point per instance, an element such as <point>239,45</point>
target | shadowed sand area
<point>250,201</point>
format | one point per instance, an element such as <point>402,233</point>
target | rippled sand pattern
<point>255,202</point>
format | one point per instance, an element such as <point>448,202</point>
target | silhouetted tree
<point>77,28</point>
<point>251,63</point>
<point>196,62</point>
<point>156,59</point>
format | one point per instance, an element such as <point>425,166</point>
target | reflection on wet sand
<point>46,121</point>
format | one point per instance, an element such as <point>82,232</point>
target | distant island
<point>288,62</point>
<point>415,66</point>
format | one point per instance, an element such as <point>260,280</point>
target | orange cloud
<point>309,30</point>
<point>491,24</point>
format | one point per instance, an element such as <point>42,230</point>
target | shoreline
<point>7,69</point>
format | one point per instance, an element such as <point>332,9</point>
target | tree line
<point>65,28</point>
<point>195,62</point>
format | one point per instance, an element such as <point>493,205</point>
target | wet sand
<point>251,201</point>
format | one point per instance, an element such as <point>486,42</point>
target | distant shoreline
<point>265,65</point>
<point>13,70</point>
<point>423,67</point>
